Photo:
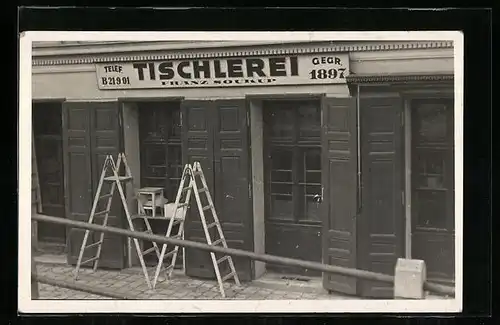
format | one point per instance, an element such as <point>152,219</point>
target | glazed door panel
<point>433,190</point>
<point>160,158</point>
<point>339,181</point>
<point>292,151</point>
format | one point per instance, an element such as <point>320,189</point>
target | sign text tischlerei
<point>278,70</point>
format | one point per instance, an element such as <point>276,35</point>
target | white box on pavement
<point>409,278</point>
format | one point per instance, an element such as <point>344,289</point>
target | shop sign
<point>226,72</point>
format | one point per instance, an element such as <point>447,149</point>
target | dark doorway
<point>47,130</point>
<point>160,156</point>
<point>292,146</point>
<point>433,222</point>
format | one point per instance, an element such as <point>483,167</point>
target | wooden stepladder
<point>188,185</point>
<point>116,183</point>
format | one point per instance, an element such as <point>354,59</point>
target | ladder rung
<point>169,267</point>
<point>170,253</point>
<point>105,196</point>
<point>181,205</point>
<point>93,244</point>
<point>229,276</point>
<point>147,251</point>
<point>203,189</point>
<point>213,224</point>
<point>186,188</point>
<point>120,178</point>
<point>101,212</point>
<point>207,207</point>
<point>89,260</point>
<point>218,241</point>
<point>222,259</point>
<point>176,237</point>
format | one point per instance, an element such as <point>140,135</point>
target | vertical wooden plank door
<point>381,224</point>
<point>232,179</point>
<point>198,145</point>
<point>215,134</point>
<point>91,131</point>
<point>339,164</point>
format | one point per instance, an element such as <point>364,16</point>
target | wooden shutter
<point>105,139</point>
<point>197,144</point>
<point>77,173</point>
<point>339,178</point>
<point>381,232</point>
<point>232,170</point>
<point>91,131</point>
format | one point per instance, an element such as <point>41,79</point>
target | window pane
<point>432,121</point>
<point>281,123</point>
<point>313,159</point>
<point>281,207</point>
<point>431,209</point>
<point>175,132</point>
<point>430,168</point>
<point>313,178</point>
<point>281,176</point>
<point>281,189</point>
<point>311,195</point>
<point>313,211</point>
<point>281,159</point>
<point>309,119</point>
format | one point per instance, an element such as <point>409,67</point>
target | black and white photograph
<point>243,171</point>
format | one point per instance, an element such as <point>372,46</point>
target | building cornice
<point>358,79</point>
<point>221,52</point>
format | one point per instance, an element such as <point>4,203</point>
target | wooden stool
<point>149,199</point>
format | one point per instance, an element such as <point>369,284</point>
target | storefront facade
<point>335,153</point>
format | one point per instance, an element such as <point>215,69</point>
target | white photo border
<point>26,305</point>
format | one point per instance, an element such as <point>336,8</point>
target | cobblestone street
<point>131,283</point>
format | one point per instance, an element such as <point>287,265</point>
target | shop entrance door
<point>433,222</point>
<point>160,157</point>
<point>47,129</point>
<point>215,133</point>
<point>91,130</point>
<point>292,154</point>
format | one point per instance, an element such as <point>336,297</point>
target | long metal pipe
<point>361,274</point>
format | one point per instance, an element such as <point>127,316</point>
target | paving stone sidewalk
<point>133,285</point>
